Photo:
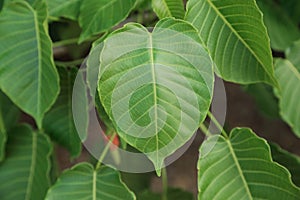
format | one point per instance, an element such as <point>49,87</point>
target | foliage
<point>152,88</point>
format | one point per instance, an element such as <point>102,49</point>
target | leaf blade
<point>168,8</point>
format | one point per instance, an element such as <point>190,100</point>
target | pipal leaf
<point>158,89</point>
<point>287,159</point>
<point>58,122</point>
<point>281,29</point>
<point>292,54</point>
<point>101,184</point>
<point>289,92</point>
<point>9,114</point>
<point>24,174</point>
<point>27,73</point>
<point>236,37</point>
<point>62,8</point>
<point>241,167</point>
<point>168,8</point>
<point>97,16</point>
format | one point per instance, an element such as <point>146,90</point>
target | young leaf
<point>58,122</point>
<point>9,115</point>
<point>97,16</point>
<point>289,92</point>
<point>158,89</point>
<point>287,159</point>
<point>282,30</point>
<point>62,8</point>
<point>241,167</point>
<point>101,184</point>
<point>292,54</point>
<point>25,172</point>
<point>28,76</point>
<point>236,37</point>
<point>168,8</point>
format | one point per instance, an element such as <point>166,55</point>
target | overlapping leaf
<point>9,115</point>
<point>241,167</point>
<point>62,8</point>
<point>168,8</point>
<point>281,29</point>
<point>292,54</point>
<point>173,194</point>
<point>289,91</point>
<point>97,16</point>
<point>236,37</point>
<point>58,122</point>
<point>91,184</point>
<point>27,73</point>
<point>25,172</point>
<point>287,159</point>
<point>156,87</point>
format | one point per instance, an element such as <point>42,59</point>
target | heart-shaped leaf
<point>101,184</point>
<point>62,8</point>
<point>27,73</point>
<point>236,37</point>
<point>156,86</point>
<point>241,167</point>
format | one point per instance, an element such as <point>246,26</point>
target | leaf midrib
<point>154,90</point>
<point>238,36</point>
<point>32,167</point>
<point>235,159</point>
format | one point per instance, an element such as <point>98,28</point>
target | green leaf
<point>9,115</point>
<point>101,184</point>
<point>236,37</point>
<point>168,8</point>
<point>27,73</point>
<point>241,167</point>
<point>98,16</point>
<point>292,8</point>
<point>173,194</point>
<point>64,8</point>
<point>265,99</point>
<point>282,30</point>
<point>158,89</point>
<point>287,159</point>
<point>58,122</point>
<point>292,54</point>
<point>289,92</point>
<point>25,172</point>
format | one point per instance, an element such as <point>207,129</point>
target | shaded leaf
<point>158,89</point>
<point>27,73</point>
<point>25,172</point>
<point>236,37</point>
<point>289,92</point>
<point>101,184</point>
<point>265,99</point>
<point>292,54</point>
<point>287,159</point>
<point>168,8</point>
<point>241,167</point>
<point>58,122</point>
<point>281,29</point>
<point>97,16</point>
<point>9,114</point>
<point>64,8</point>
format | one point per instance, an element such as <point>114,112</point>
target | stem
<point>104,153</point>
<point>204,129</point>
<point>72,41</point>
<point>69,63</point>
<point>164,184</point>
<point>215,121</point>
